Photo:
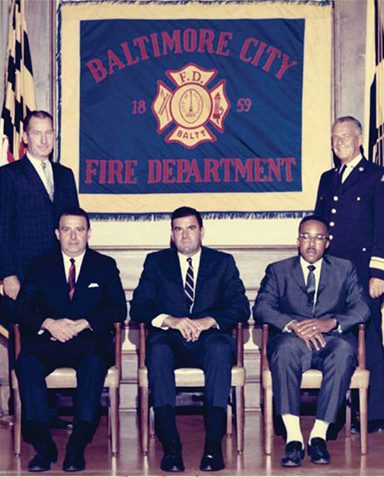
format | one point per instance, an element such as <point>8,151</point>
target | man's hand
<point>80,325</point>
<point>311,331</point>
<point>11,286</point>
<point>190,329</point>
<point>376,287</point>
<point>61,330</point>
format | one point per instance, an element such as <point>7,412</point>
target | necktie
<point>311,285</point>
<point>48,179</point>
<point>189,287</point>
<point>72,278</point>
<point>340,174</point>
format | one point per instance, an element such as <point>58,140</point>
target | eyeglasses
<point>317,238</point>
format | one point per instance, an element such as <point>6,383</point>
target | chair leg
<point>363,398</point>
<point>114,419</point>
<point>268,420</point>
<point>144,402</point>
<point>17,423</point>
<point>348,414</point>
<point>240,418</point>
<point>229,420</point>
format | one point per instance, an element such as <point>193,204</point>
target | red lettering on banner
<point>114,61</point>
<point>110,171</point>
<point>140,41</point>
<point>97,69</point>
<point>128,56</point>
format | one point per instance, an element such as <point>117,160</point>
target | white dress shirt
<point>349,166</point>
<point>36,163</point>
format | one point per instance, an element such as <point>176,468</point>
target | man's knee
<point>219,350</point>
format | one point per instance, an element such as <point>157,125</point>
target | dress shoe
<point>318,452</point>
<point>376,425</point>
<point>172,462</point>
<point>293,455</point>
<point>74,461</point>
<point>43,459</point>
<point>212,461</point>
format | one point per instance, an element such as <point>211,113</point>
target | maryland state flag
<point>19,96</point>
<point>375,52</point>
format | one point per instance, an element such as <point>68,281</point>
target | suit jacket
<point>28,217</point>
<point>219,291</point>
<point>354,212</point>
<point>99,296</point>
<point>283,298</point>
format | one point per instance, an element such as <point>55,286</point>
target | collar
<point>352,164</point>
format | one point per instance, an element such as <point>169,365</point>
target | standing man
<point>33,193</point>
<point>312,303</point>
<point>191,297</point>
<point>350,199</point>
<point>66,307</point>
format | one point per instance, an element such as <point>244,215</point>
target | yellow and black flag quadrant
<point>19,96</point>
<point>376,99</point>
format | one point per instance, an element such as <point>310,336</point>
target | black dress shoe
<point>57,423</point>
<point>318,452</point>
<point>212,461</point>
<point>74,461</point>
<point>172,462</point>
<point>376,425</point>
<point>293,455</point>
<point>42,460</point>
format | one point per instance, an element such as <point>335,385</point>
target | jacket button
<point>357,198</point>
<point>331,237</point>
<point>331,224</point>
<point>364,249</point>
<point>335,198</point>
<point>333,211</point>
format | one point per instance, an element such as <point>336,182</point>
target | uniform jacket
<point>355,214</point>
<point>283,298</point>
<point>99,296</point>
<point>28,217</point>
<point>219,291</point>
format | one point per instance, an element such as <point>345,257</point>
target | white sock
<point>292,426</point>
<point>319,429</point>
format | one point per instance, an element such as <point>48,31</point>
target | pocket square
<point>93,285</point>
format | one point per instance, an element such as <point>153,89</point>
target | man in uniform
<point>350,199</point>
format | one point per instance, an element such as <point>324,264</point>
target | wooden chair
<point>312,380</point>
<point>191,378</point>
<point>65,378</point>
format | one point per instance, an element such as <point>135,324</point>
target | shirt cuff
<point>157,322</point>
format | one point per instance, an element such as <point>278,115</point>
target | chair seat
<point>194,377</point>
<point>66,378</point>
<point>311,379</point>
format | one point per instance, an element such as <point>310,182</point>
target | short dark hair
<point>185,211</point>
<point>317,218</point>
<point>350,119</point>
<point>36,114</point>
<point>77,211</point>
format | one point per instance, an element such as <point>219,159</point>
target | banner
<point>224,108</point>
<point>19,96</point>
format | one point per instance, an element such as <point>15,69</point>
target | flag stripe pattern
<point>19,88</point>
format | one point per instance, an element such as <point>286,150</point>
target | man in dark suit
<point>70,324</point>
<point>33,193</point>
<point>312,302</point>
<point>191,297</point>
<point>350,199</point>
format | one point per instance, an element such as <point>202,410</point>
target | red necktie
<point>72,278</point>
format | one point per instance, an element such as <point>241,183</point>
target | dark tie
<point>189,287</point>
<point>48,180</point>
<point>311,285</point>
<point>72,278</point>
<point>340,174</point>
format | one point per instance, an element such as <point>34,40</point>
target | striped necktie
<point>72,278</point>
<point>189,287</point>
<point>48,179</point>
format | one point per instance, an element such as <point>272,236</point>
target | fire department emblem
<point>192,107</point>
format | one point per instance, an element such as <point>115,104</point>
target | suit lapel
<point>297,274</point>
<point>60,285</point>
<point>33,177</point>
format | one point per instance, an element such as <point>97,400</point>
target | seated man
<point>312,302</point>
<point>191,297</point>
<point>67,324</point>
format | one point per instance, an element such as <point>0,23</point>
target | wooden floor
<point>346,458</point>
